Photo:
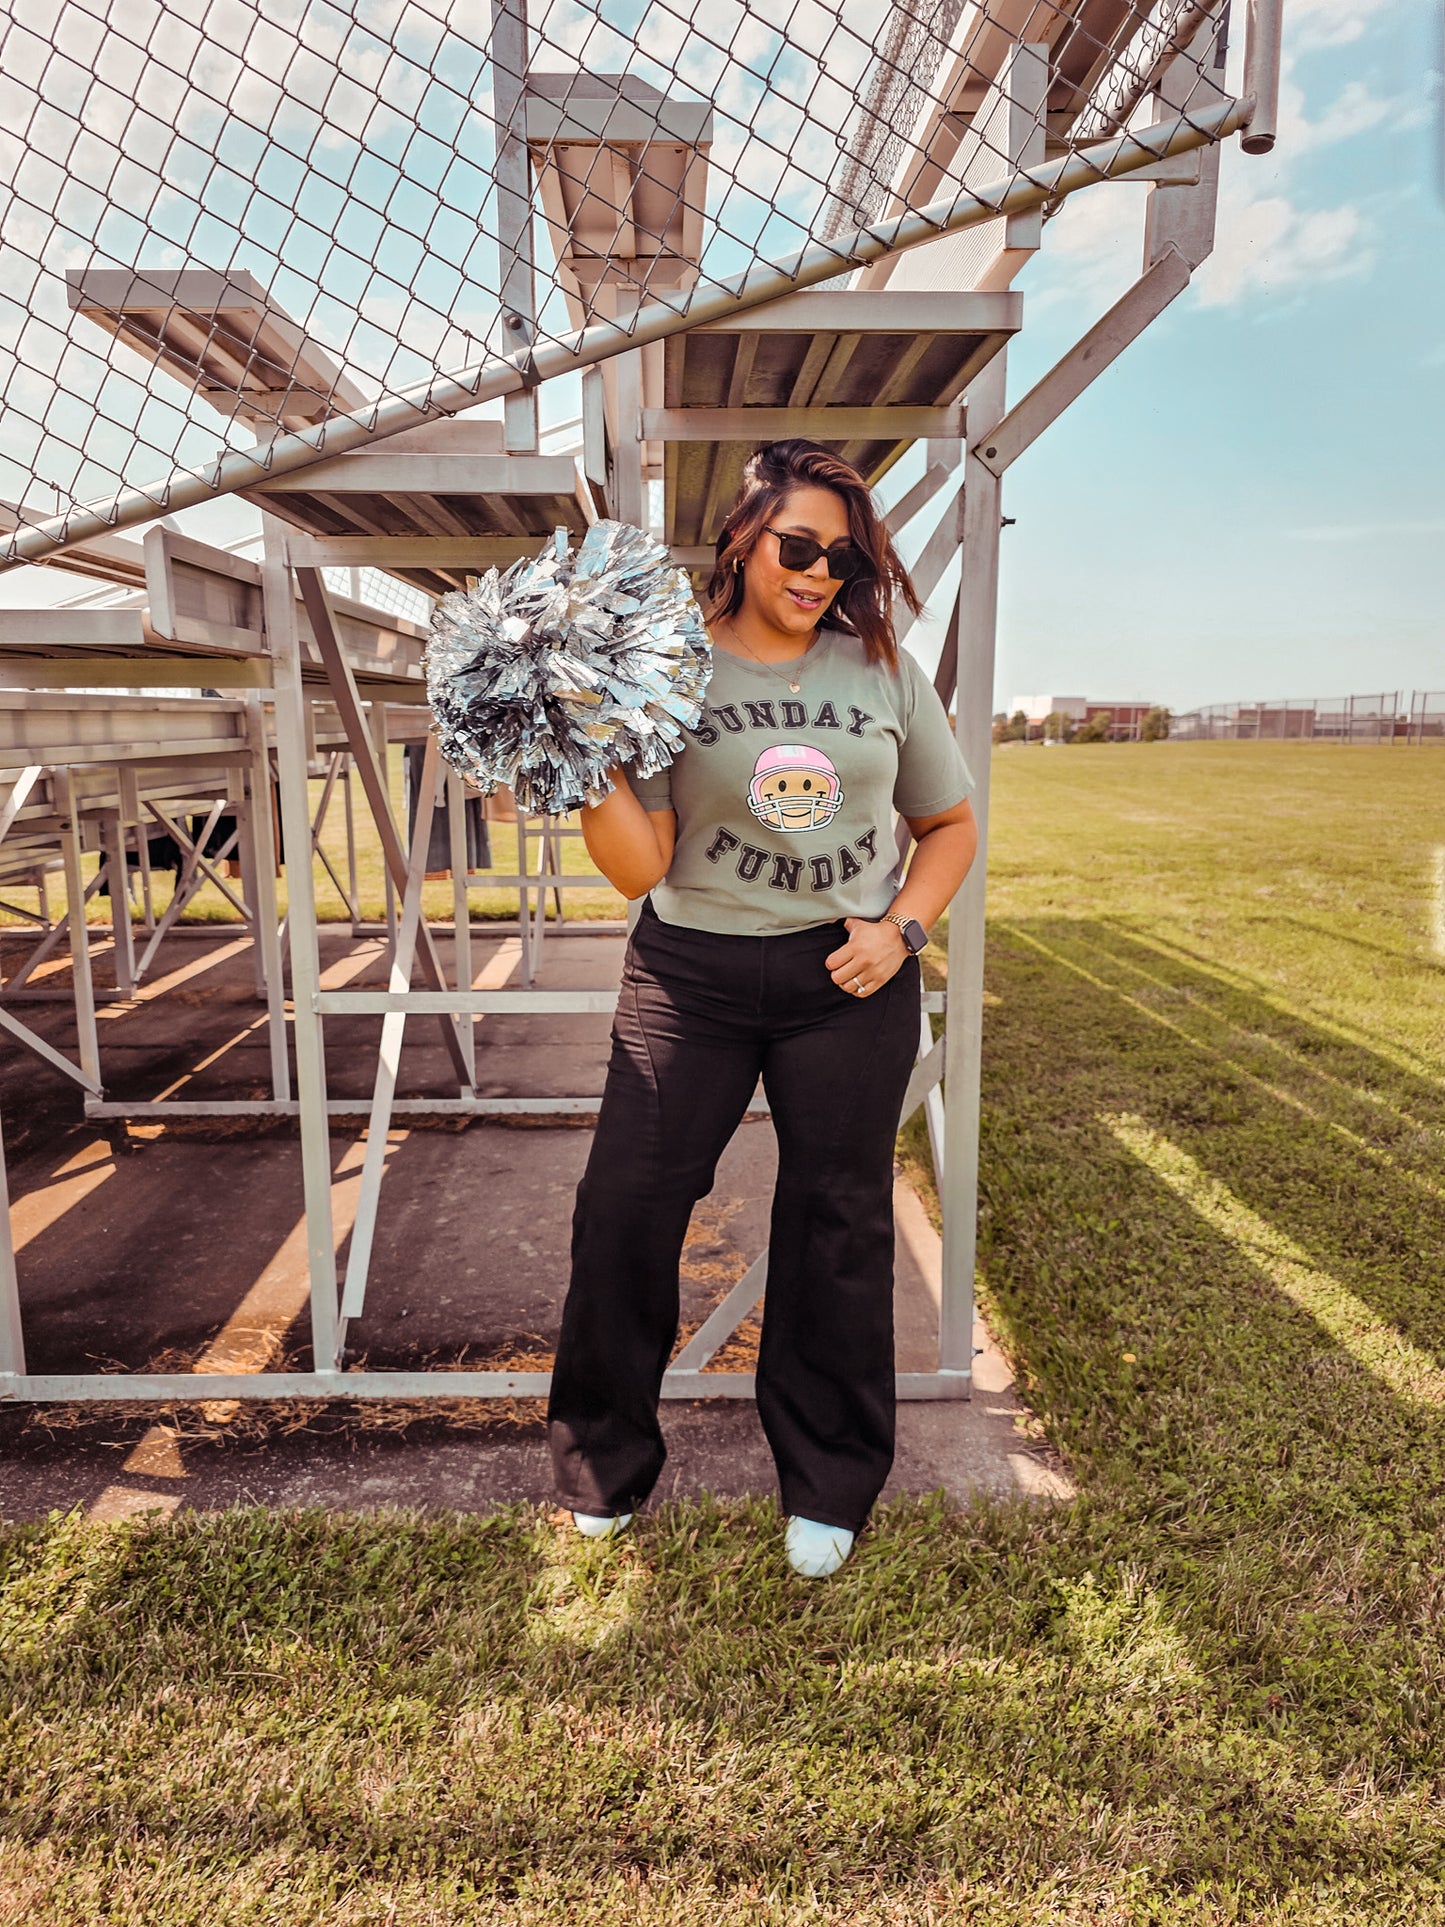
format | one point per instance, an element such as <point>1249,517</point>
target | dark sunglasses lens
<point>798,551</point>
<point>801,552</point>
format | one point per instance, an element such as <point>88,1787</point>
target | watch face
<point>915,936</point>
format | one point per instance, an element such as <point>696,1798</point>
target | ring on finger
<point>858,986</point>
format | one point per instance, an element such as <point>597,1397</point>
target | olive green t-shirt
<point>785,801</point>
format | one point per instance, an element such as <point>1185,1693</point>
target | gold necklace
<point>762,663</point>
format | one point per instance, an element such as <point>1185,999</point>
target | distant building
<point>1124,718</point>
<point>1036,708</point>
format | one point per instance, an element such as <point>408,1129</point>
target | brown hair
<point>863,606</point>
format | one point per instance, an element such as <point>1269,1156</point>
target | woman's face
<point>795,600</point>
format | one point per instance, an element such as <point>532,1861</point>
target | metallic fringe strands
<point>545,675</point>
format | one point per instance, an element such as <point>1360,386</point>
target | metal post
<point>112,837</point>
<point>238,798</point>
<point>381,748</point>
<point>261,895</point>
<point>539,919</point>
<point>131,813</point>
<point>12,1337</point>
<point>1264,21</point>
<point>629,488</point>
<point>83,986</point>
<point>280,607</point>
<point>945,682</point>
<point>353,897</point>
<point>932,1106</point>
<point>514,211</point>
<point>461,910</point>
<point>977,624</point>
<point>594,438</point>
<point>524,900</point>
<point>558,835</point>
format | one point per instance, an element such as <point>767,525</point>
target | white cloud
<point>1267,244</point>
<point>1266,241</point>
<point>1355,110</point>
<point>1091,249</point>
<point>1331,23</point>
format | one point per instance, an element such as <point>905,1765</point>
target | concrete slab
<point>183,1244</point>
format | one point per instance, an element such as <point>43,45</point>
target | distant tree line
<point>1061,728</point>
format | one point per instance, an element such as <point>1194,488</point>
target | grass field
<point>1207,1690</point>
<point>210,906</point>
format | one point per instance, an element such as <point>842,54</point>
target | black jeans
<point>700,1017</point>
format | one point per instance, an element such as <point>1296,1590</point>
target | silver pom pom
<point>546,675</point>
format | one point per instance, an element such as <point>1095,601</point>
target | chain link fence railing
<point>239,233</point>
<point>1391,716</point>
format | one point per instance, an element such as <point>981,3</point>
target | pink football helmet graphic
<point>794,787</point>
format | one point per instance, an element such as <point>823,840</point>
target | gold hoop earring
<point>737,565</point>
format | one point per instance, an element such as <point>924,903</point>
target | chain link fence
<point>1390,716</point>
<point>240,233</point>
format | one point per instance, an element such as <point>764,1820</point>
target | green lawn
<point>1207,1690</point>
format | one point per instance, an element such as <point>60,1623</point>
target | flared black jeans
<point>700,1018</point>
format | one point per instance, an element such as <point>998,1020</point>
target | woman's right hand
<point>631,846</point>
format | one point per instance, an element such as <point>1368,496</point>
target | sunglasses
<point>800,552</point>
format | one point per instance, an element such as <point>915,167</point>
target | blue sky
<point>1251,501</point>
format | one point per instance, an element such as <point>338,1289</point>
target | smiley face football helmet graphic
<point>794,787</point>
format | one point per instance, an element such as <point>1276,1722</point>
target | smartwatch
<point>914,934</point>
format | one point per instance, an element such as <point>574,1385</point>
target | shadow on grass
<point>1207,1690</point>
<point>1332,1147</point>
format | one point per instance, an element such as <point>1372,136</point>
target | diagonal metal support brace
<point>187,883</point>
<point>720,1324</point>
<point>926,1074</point>
<point>393,1028</point>
<point>318,824</point>
<point>52,1056</point>
<point>19,794</point>
<point>348,703</point>
<point>1090,355</point>
<point>934,557</point>
<point>51,941</point>
<point>205,869</point>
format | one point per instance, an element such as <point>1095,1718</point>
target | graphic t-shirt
<point>785,802</point>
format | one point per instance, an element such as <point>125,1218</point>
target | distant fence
<point>1386,717</point>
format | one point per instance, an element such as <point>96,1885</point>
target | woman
<point>776,942</point>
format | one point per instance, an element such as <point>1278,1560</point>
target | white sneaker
<point>591,1527</point>
<point>816,1551</point>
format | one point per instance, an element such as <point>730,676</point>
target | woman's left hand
<point>873,953</point>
